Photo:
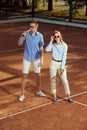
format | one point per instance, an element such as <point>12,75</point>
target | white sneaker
<point>21,98</point>
<point>40,93</point>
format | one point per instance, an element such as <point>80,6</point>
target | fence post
<point>6,9</point>
<point>70,10</point>
<point>33,8</point>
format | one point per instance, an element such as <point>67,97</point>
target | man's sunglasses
<point>32,26</point>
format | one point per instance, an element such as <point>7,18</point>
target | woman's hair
<point>60,36</point>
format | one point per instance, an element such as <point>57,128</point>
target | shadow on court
<point>35,112</point>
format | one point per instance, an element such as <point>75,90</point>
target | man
<point>33,53</point>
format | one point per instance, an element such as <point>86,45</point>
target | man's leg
<point>38,81</point>
<point>37,70</point>
<point>23,83</point>
<point>25,71</point>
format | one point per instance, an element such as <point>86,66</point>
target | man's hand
<point>41,55</point>
<point>24,33</point>
<point>41,62</point>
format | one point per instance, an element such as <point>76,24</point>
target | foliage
<point>44,8</point>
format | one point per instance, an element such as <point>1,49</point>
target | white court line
<point>33,108</point>
<point>29,109</point>
<point>79,94</point>
<point>82,104</point>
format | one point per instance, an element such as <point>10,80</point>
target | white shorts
<point>27,64</point>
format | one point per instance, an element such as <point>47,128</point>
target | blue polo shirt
<point>32,46</point>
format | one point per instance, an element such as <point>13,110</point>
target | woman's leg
<point>66,85</point>
<point>65,82</point>
<point>53,72</point>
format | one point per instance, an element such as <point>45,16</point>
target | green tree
<point>36,3</point>
<point>24,4</point>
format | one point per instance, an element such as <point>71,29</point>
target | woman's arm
<point>64,57</point>
<point>49,46</point>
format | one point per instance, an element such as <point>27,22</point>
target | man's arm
<point>20,40</point>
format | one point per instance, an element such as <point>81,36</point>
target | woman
<point>58,64</point>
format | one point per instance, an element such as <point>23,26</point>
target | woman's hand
<point>60,72</point>
<point>51,38</point>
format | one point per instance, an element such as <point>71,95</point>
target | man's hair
<point>34,21</point>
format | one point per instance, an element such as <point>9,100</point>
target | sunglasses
<point>32,26</point>
<point>56,36</point>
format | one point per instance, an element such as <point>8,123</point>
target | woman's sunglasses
<point>56,36</point>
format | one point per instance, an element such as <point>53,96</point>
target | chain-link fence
<point>66,10</point>
<point>15,8</point>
